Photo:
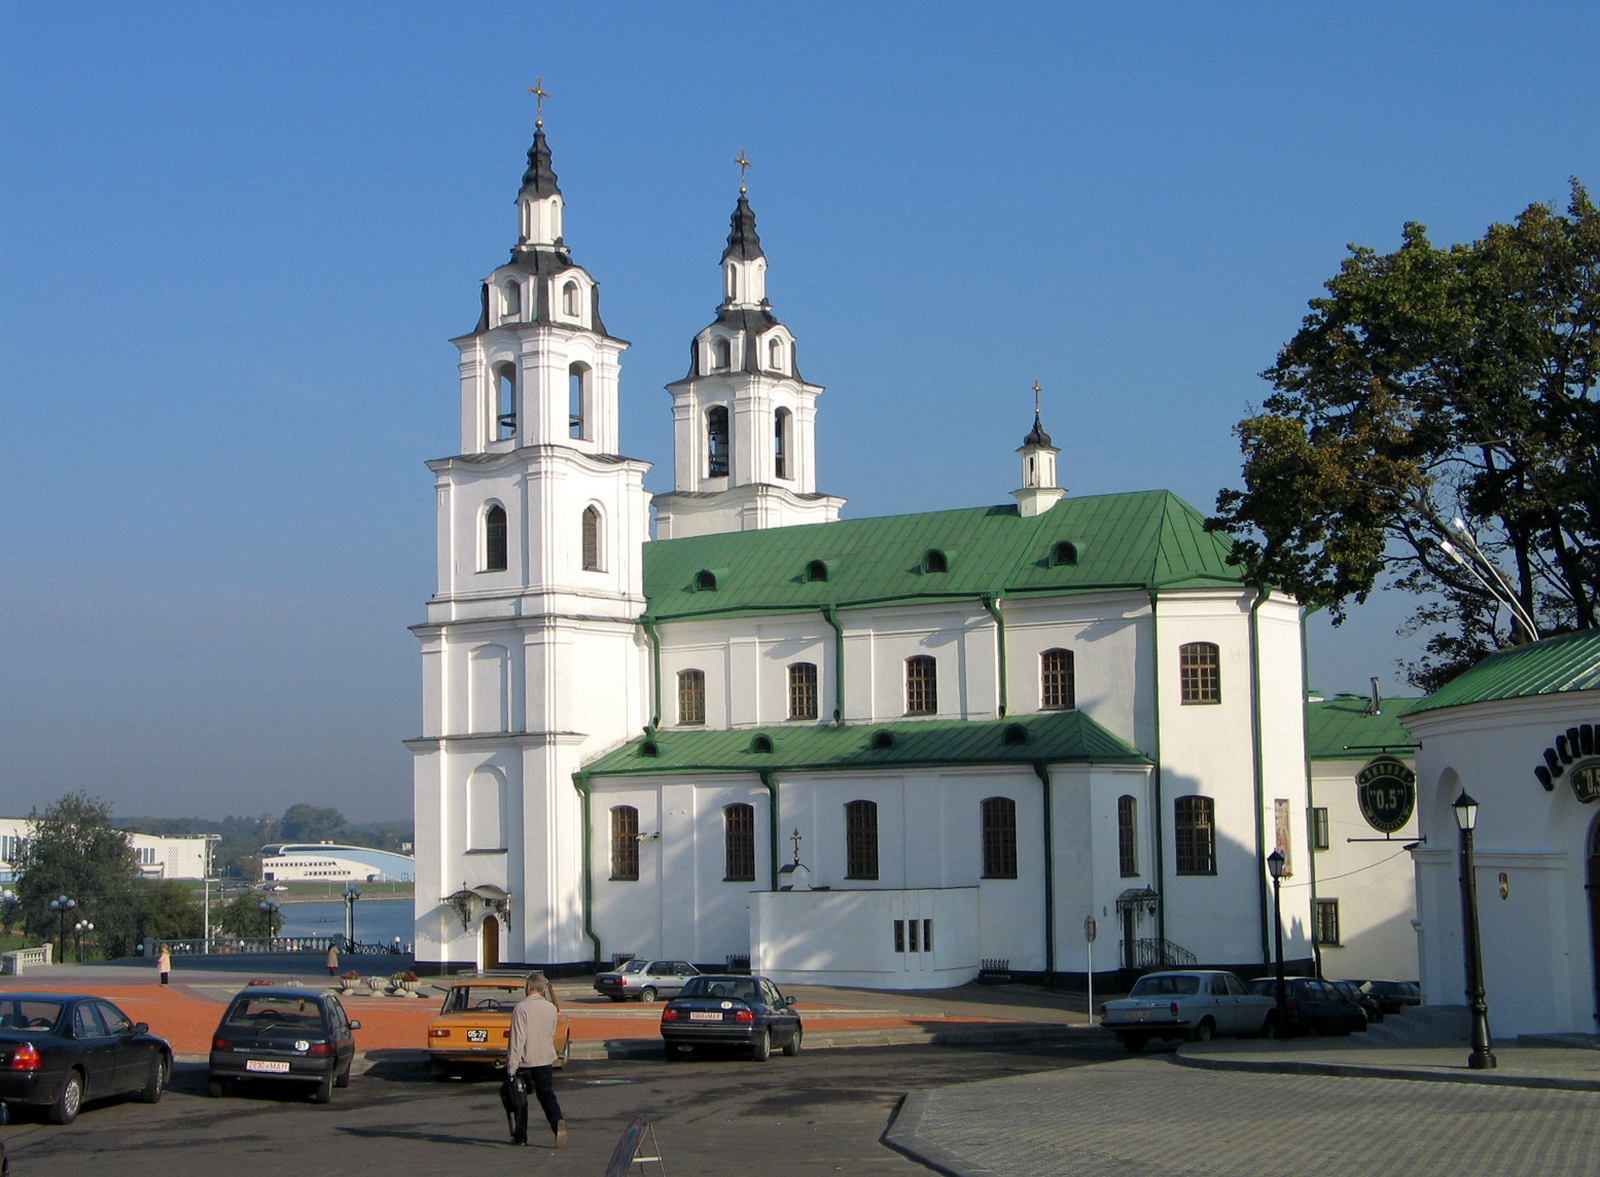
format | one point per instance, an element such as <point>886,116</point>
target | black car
<point>60,1050</point>
<point>1351,991</point>
<point>1312,1006</point>
<point>284,1036</point>
<point>715,1010</point>
<point>1393,996</point>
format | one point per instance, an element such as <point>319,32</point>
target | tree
<point>1433,386</point>
<point>243,916</point>
<point>72,849</point>
<point>166,911</point>
<point>311,823</point>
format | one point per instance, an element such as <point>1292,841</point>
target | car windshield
<point>29,1015</point>
<point>1166,986</point>
<point>633,966</point>
<point>733,988</point>
<point>494,999</point>
<point>275,1014</point>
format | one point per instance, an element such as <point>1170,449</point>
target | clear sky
<point>234,241</point>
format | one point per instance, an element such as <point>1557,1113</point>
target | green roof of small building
<point>1143,540</point>
<point>1340,728</point>
<point>1570,662</point>
<point>1053,737</point>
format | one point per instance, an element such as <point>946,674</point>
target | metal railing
<point>224,945</point>
<point>1154,953</point>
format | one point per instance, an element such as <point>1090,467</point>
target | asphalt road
<point>822,1112</point>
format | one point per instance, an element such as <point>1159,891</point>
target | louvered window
<point>591,540</point>
<point>494,539</point>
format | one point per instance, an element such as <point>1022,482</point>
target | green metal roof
<point>1148,539</point>
<point>1570,662</point>
<point>1340,728</point>
<point>1054,737</point>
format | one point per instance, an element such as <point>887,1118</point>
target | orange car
<point>474,1023</point>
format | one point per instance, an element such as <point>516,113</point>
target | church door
<point>489,943</point>
<point>1594,906</point>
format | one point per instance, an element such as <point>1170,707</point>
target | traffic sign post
<point>1089,931</point>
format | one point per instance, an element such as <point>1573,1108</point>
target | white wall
<point>858,945</point>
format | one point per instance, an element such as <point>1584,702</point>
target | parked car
<point>284,1036</point>
<point>716,1010</point>
<point>1393,996</point>
<point>1195,1005</point>
<point>473,1026</point>
<point>1312,1006</point>
<point>5,1161</point>
<point>645,980</point>
<point>60,1051</point>
<point>1351,991</point>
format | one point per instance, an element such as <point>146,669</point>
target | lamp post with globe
<point>62,905</point>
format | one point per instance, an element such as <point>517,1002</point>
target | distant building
<point>293,862</point>
<point>159,857</point>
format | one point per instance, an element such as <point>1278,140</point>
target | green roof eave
<point>1569,662</point>
<point>1055,737</point>
<point>1340,728</point>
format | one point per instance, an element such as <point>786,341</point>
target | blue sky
<point>234,242</point>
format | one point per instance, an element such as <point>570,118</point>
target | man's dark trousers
<point>543,1082</point>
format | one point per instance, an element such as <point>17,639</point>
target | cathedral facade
<point>857,751</point>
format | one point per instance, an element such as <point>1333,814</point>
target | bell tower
<point>1039,491</point>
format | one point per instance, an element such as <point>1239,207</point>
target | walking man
<point>530,1062</point>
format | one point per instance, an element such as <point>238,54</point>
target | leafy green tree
<point>311,823</point>
<point>73,849</point>
<point>1433,385</point>
<point>243,916</point>
<point>167,911</point>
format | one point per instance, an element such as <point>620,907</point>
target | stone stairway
<point>1424,1025</point>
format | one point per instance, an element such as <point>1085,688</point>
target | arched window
<point>722,355</point>
<point>739,843</point>
<point>505,395</point>
<point>691,697</point>
<point>1065,552</point>
<point>705,581</point>
<point>861,840</point>
<point>999,838</point>
<point>1195,834</point>
<point>494,539</point>
<point>733,283</point>
<point>1058,691</point>
<point>922,685</point>
<point>1200,673</point>
<point>935,560</point>
<point>513,300</point>
<point>817,570</point>
<point>625,843</point>
<point>780,443</point>
<point>802,690</point>
<point>717,442</point>
<point>578,401</point>
<point>569,299</point>
<point>775,354</point>
<point>591,540</point>
<point>1128,836</point>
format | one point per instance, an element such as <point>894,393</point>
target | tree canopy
<point>73,849</point>
<point>1430,386</point>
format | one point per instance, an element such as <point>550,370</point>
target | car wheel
<point>1204,1031</point>
<point>618,998</point>
<point>761,1048</point>
<point>438,1069</point>
<point>323,1092</point>
<point>792,1047</point>
<point>647,994</point>
<point>156,1082</point>
<point>1269,1026</point>
<point>343,1079</point>
<point>1133,1042</point>
<point>65,1108</point>
<point>214,1089</point>
<point>672,1053</point>
<point>566,1055</point>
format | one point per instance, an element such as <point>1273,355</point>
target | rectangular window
<point>922,685</point>
<point>1200,673</point>
<point>1058,692</point>
<point>739,833</point>
<point>999,838</point>
<point>911,926</point>
<point>927,935</point>
<point>1128,836</point>
<point>899,935</point>
<point>1195,835</point>
<point>1328,921</point>
<point>691,697</point>
<point>625,843</point>
<point>1319,829</point>
<point>802,690</point>
<point>861,840</point>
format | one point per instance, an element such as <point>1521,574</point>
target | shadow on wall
<point>1384,952</point>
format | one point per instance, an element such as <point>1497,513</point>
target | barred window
<point>861,840</point>
<point>1128,836</point>
<point>1200,673</point>
<point>691,697</point>
<point>999,838</point>
<point>1056,676</point>
<point>1196,835</point>
<point>1328,921</point>
<point>802,690</point>
<point>922,685</point>
<point>1319,829</point>
<point>739,841</point>
<point>625,843</point>
<point>591,540</point>
<point>494,539</point>
<point>780,438</point>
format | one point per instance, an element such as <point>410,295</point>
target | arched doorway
<point>489,943</point>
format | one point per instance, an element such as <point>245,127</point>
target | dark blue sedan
<point>739,1011</point>
<point>59,1051</point>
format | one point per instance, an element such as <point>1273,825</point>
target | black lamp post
<point>1482,1057</point>
<point>272,911</point>
<point>350,897</point>
<point>1275,869</point>
<point>63,905</point>
<point>78,929</point>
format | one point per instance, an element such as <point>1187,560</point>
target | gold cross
<point>794,837</point>
<point>539,95</point>
<point>744,165</point>
<point>1036,391</point>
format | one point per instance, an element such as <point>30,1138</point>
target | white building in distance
<point>324,862</point>
<point>870,751</point>
<point>158,856</point>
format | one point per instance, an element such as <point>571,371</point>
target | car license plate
<point>1139,1014</point>
<point>477,1035</point>
<point>704,1016</point>
<point>271,1068</point>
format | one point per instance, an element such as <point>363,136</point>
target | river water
<point>378,921</point>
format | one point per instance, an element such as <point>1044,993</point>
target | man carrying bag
<point>530,1065</point>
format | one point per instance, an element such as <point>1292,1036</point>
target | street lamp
<point>78,929</point>
<point>272,909</point>
<point>350,897</point>
<point>1482,1056</point>
<point>63,905</point>
<point>1275,869</point>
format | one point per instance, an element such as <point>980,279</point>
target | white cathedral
<point>876,752</point>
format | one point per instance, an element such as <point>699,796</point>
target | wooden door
<point>489,943</point>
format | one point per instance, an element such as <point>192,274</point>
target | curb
<point>642,1048</point>
<point>901,1136</point>
<point>1359,1071</point>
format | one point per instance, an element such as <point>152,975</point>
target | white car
<point>1192,1005</point>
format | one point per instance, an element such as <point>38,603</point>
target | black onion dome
<point>1037,436</point>
<point>539,180</point>
<point>742,240</point>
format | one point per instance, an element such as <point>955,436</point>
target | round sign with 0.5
<point>1387,792</point>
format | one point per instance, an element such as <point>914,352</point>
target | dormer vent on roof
<point>1064,554</point>
<point>934,560</point>
<point>817,570</point>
